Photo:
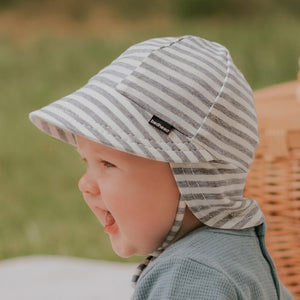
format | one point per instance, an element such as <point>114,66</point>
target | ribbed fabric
<point>213,264</point>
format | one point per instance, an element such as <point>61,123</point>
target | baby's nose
<point>87,186</point>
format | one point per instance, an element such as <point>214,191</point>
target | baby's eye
<point>107,164</point>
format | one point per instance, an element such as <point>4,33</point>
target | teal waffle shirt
<point>212,264</point>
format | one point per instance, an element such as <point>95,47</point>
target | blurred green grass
<point>42,211</point>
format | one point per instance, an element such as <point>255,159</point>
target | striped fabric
<point>214,193</point>
<point>202,116</point>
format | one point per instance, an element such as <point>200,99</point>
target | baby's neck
<point>189,223</point>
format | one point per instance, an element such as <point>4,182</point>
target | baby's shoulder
<point>183,277</point>
<point>210,264</point>
<point>211,245</point>
<point>207,253</point>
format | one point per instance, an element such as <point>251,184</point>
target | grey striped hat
<point>179,100</point>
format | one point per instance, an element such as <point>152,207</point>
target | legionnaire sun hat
<point>179,100</point>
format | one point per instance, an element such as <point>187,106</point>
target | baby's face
<point>134,198</point>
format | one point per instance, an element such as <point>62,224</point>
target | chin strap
<point>169,239</point>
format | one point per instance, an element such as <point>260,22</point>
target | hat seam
<point>219,94</point>
<point>177,40</point>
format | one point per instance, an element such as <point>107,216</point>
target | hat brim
<point>100,113</point>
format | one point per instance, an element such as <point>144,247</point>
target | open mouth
<point>110,223</point>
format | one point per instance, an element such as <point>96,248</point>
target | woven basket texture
<point>274,178</point>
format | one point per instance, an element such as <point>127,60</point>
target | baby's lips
<point>109,219</point>
<point>110,224</point>
<point>100,214</point>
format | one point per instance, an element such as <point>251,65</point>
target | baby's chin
<point>126,251</point>
<point>123,253</point>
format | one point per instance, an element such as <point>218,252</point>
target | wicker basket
<point>274,178</point>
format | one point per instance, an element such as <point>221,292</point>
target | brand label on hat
<point>161,125</point>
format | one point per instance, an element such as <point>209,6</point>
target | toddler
<point>168,131</point>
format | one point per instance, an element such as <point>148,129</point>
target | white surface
<point>56,278</point>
